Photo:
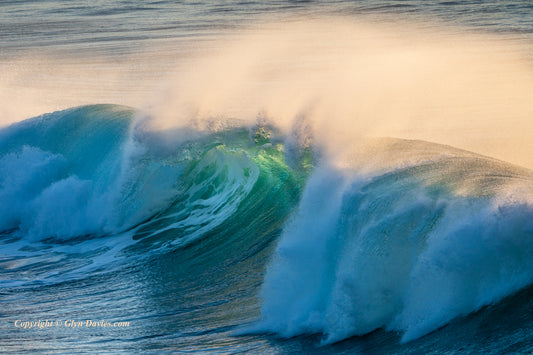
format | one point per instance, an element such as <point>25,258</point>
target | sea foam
<point>406,248</point>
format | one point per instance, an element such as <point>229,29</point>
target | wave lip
<point>407,249</point>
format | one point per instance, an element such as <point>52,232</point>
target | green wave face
<point>223,185</point>
<point>105,174</point>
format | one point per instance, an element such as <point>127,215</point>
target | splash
<point>408,248</point>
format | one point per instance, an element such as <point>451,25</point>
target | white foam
<point>407,250</point>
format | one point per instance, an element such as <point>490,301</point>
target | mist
<point>346,80</point>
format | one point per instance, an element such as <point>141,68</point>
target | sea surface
<point>278,177</point>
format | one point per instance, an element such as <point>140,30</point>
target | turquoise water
<point>218,232</point>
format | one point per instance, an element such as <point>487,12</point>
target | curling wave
<point>93,178</point>
<point>94,170</point>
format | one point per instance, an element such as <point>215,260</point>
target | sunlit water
<point>201,172</point>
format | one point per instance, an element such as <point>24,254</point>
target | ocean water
<point>266,177</point>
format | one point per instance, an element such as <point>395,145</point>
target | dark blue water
<point>172,180</point>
